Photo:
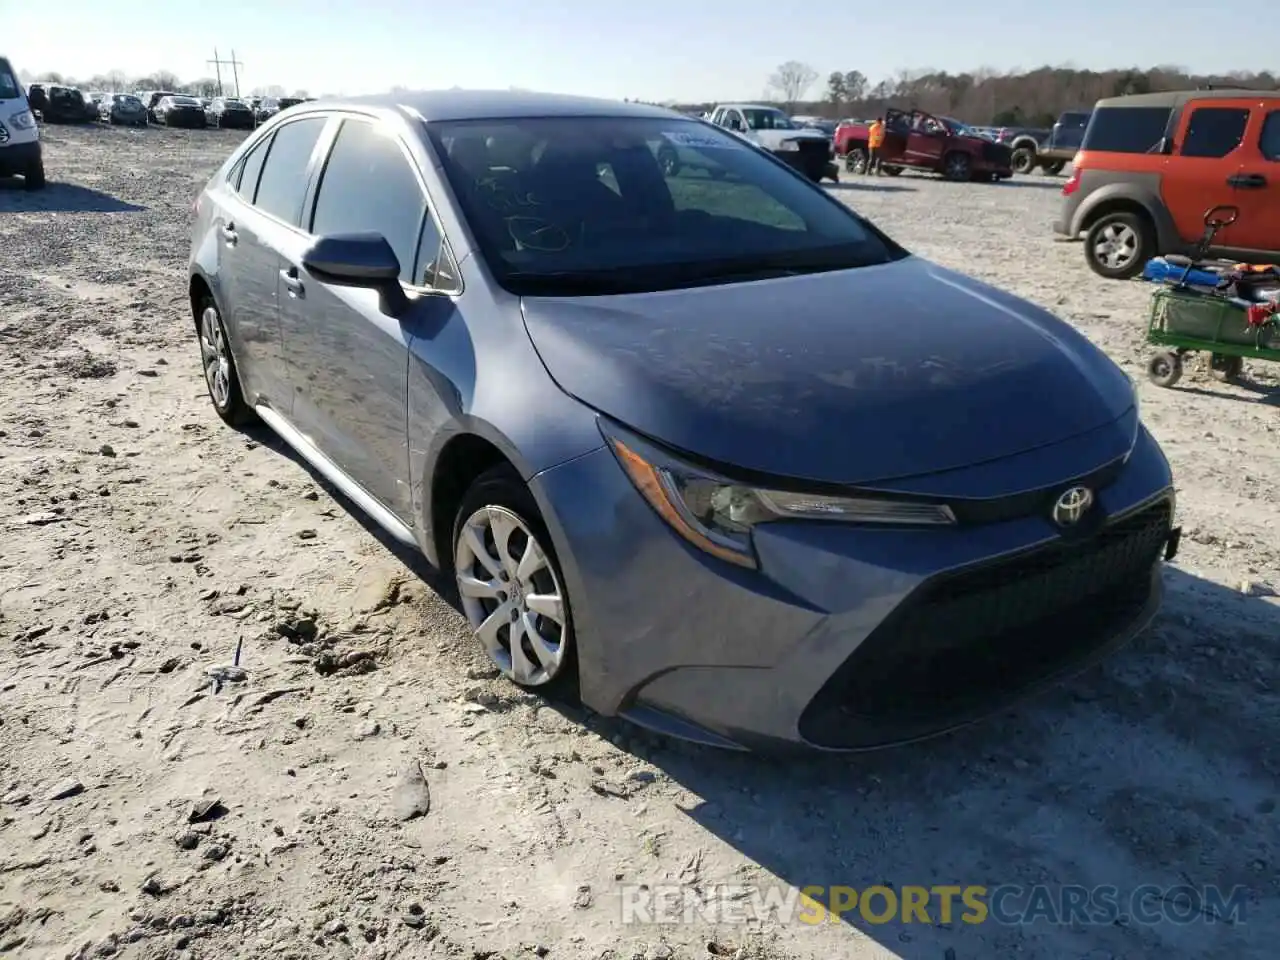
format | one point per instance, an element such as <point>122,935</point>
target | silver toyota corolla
<point>698,443</point>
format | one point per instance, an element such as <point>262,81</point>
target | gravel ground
<point>146,811</point>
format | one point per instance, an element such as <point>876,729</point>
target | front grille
<point>997,153</point>
<point>966,643</point>
<point>815,149</point>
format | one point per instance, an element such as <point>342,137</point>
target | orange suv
<point>1151,165</point>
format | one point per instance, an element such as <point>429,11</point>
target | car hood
<point>848,377</point>
<point>774,137</point>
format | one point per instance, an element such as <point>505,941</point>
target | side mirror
<point>358,260</point>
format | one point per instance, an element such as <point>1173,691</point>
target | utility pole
<point>233,63</point>
<point>217,69</point>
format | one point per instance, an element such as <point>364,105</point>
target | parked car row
<point>57,103</point>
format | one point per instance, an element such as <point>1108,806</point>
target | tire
<point>957,167</point>
<point>1118,245</point>
<point>33,178</point>
<point>1164,369</point>
<point>221,376</point>
<point>855,161</point>
<point>891,171</point>
<point>1225,368</point>
<point>1053,167</point>
<point>500,502</point>
<point>1024,160</point>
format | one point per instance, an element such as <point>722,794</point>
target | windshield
<point>127,98</point>
<point>571,206</point>
<point>9,89</point>
<point>185,101</point>
<point>759,118</point>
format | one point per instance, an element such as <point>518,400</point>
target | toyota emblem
<point>1072,506</point>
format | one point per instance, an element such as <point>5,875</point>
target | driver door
<point>894,149</point>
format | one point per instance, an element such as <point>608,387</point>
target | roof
<point>498,104</point>
<point>1172,99</point>
<point>747,106</point>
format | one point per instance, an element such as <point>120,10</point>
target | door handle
<point>1247,181</point>
<point>292,282</point>
<point>229,234</point>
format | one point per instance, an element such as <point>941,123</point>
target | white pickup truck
<point>806,149</point>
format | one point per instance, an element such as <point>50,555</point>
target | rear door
<point>272,187</point>
<point>351,356</point>
<point>1209,147</point>
<point>1258,185</point>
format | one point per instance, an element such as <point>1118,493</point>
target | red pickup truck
<point>924,142</point>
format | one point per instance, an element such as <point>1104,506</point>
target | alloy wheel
<point>216,358</point>
<point>1115,246</point>
<point>512,596</point>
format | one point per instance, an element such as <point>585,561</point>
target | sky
<point>659,50</point>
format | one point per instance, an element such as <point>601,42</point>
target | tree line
<point>117,81</point>
<point>1034,98</point>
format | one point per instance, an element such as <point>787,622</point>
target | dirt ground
<point>154,806</point>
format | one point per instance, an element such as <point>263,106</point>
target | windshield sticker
<point>700,141</point>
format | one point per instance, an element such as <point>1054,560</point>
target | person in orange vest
<point>875,140</point>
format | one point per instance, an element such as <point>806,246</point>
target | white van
<point>19,137</point>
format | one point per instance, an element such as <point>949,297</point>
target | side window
<point>733,120</point>
<point>283,183</point>
<point>435,266</point>
<point>1214,131</point>
<point>369,185</point>
<point>251,170</point>
<point>1269,142</point>
<point>1126,129</point>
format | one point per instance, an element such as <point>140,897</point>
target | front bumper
<point>812,163</point>
<point>847,638</point>
<point>17,158</point>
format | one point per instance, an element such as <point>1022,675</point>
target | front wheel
<point>220,375</point>
<point>1118,245</point>
<point>855,161</point>
<point>1024,160</point>
<point>511,587</point>
<point>1053,167</point>
<point>33,178</point>
<point>957,167</point>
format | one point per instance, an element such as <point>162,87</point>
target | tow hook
<point>1171,543</point>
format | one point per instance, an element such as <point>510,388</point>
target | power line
<point>233,63</point>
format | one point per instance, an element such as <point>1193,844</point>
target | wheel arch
<point>1120,198</point>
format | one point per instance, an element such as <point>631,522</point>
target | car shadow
<point>59,198</point>
<point>1029,183</point>
<point>440,584</point>
<point>1160,766</point>
<point>1261,393</point>
<point>857,186</point>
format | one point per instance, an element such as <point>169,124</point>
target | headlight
<point>789,146</point>
<point>23,120</point>
<point>717,514</point>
